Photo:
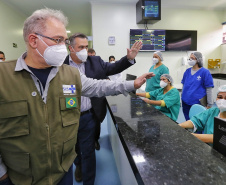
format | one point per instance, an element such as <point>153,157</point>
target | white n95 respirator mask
<point>163,84</point>
<point>221,104</point>
<point>155,61</point>
<point>54,55</point>
<point>191,62</point>
<point>82,55</point>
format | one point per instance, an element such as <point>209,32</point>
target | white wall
<point>11,25</point>
<point>117,20</point>
<point>224,16</point>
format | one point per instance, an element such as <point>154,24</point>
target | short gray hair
<point>76,35</point>
<point>36,22</point>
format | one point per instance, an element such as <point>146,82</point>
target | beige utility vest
<point>37,140</point>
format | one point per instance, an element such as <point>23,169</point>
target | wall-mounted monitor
<point>165,40</point>
<point>148,11</point>
<point>153,40</point>
<point>181,40</point>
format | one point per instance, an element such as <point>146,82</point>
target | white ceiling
<point>79,11</point>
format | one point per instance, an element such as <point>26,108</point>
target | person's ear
<point>33,41</point>
<point>70,48</point>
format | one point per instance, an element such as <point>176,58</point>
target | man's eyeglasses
<point>57,41</point>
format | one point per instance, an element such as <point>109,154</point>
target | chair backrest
<point>196,109</point>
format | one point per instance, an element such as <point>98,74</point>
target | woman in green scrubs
<point>166,98</point>
<point>158,68</point>
<point>204,121</point>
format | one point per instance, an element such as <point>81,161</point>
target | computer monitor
<point>148,11</point>
<point>181,40</point>
<point>219,136</point>
<point>153,40</point>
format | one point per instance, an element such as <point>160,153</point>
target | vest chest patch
<point>71,102</point>
<point>69,89</point>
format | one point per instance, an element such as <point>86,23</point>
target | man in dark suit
<point>92,67</point>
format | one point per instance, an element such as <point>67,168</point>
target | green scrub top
<point>204,121</point>
<point>154,83</point>
<point>171,99</point>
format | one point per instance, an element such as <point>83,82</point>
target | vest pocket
<point>68,154</point>
<point>13,119</point>
<point>18,164</point>
<point>69,114</point>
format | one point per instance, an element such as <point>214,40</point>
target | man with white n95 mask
<point>40,105</point>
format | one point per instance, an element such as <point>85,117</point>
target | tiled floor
<point>106,171</point>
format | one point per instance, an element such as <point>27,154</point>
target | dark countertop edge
<point>219,76</point>
<point>128,154</point>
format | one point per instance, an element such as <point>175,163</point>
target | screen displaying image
<point>151,9</point>
<point>153,40</point>
<point>181,40</point>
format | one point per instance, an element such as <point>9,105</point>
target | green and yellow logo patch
<point>71,102</point>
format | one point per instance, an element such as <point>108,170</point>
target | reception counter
<point>150,148</point>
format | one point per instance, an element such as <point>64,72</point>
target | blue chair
<point>196,109</point>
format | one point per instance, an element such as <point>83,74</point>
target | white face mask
<point>191,62</point>
<point>155,61</point>
<point>112,62</point>
<point>1,60</point>
<point>54,55</point>
<point>163,84</point>
<point>82,55</point>
<point>221,104</point>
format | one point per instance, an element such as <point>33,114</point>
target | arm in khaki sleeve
<point>206,138</point>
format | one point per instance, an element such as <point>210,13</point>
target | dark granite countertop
<point>219,76</point>
<point>161,152</point>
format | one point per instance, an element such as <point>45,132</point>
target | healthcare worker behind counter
<point>167,98</point>
<point>158,68</point>
<point>197,83</point>
<point>204,121</point>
